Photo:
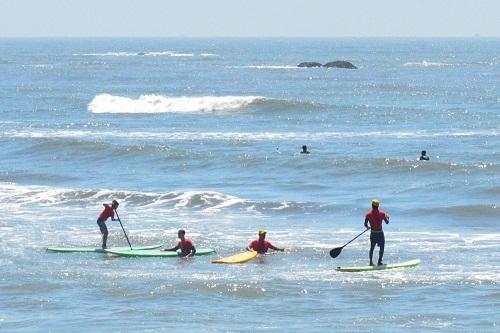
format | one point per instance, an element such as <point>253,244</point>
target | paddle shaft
<point>355,237</point>
<point>334,253</point>
<point>118,217</point>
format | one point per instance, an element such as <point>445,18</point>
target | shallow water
<point>205,134</point>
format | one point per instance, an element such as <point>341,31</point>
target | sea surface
<point>205,135</point>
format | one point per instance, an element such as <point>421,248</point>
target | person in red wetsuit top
<point>261,245</point>
<point>185,245</point>
<point>107,212</point>
<point>375,218</point>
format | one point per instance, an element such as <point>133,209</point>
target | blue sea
<point>205,135</point>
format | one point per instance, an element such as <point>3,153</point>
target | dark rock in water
<point>340,64</point>
<point>309,64</point>
<point>333,64</point>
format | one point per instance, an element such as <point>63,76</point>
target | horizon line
<point>253,37</point>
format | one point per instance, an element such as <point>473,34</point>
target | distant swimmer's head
<point>375,203</point>
<point>115,204</point>
<point>304,150</point>
<point>423,156</point>
<point>181,233</point>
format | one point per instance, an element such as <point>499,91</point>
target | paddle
<point>118,217</point>
<point>334,253</point>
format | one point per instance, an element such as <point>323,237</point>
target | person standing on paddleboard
<point>261,245</point>
<point>185,245</point>
<point>108,211</point>
<point>375,218</point>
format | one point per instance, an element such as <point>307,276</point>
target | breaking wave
<point>428,64</point>
<point>133,54</point>
<point>106,103</point>
<point>14,195</point>
<point>187,135</point>
<point>209,55</point>
<point>267,67</point>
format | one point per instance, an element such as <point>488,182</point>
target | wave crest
<point>296,136</point>
<point>427,64</point>
<point>14,195</point>
<point>106,103</point>
<point>268,67</point>
<point>133,54</point>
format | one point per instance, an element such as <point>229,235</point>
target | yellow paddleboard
<point>237,258</point>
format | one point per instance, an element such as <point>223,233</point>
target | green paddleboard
<point>411,263</point>
<point>98,249</point>
<point>154,253</point>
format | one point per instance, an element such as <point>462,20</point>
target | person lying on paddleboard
<point>261,245</point>
<point>375,218</point>
<point>185,245</point>
<point>108,211</point>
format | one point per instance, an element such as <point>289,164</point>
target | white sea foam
<point>133,54</point>
<point>267,67</point>
<point>425,63</point>
<point>209,55</point>
<point>173,54</point>
<point>40,66</point>
<point>107,54</point>
<point>15,196</point>
<point>106,103</point>
<point>236,136</point>
<point>271,66</point>
<point>214,200</point>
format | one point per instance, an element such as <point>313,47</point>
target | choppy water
<point>205,134</point>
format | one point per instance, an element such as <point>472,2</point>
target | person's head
<point>375,203</point>
<point>304,148</point>
<point>262,234</point>
<point>424,153</point>
<point>115,204</point>
<point>181,233</point>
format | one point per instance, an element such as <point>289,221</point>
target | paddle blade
<point>334,253</point>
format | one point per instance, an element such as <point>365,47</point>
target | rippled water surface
<point>205,134</point>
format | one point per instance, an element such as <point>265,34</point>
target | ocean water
<point>205,134</point>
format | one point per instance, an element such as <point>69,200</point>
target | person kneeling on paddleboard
<point>261,245</point>
<point>108,211</point>
<point>375,218</point>
<point>185,245</point>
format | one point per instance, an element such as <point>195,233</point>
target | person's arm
<point>386,219</point>
<point>249,247</point>
<point>172,249</point>
<point>113,214</point>
<point>271,246</point>
<point>193,252</point>
<point>366,223</point>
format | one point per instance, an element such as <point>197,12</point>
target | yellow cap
<point>262,232</point>
<point>375,202</point>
